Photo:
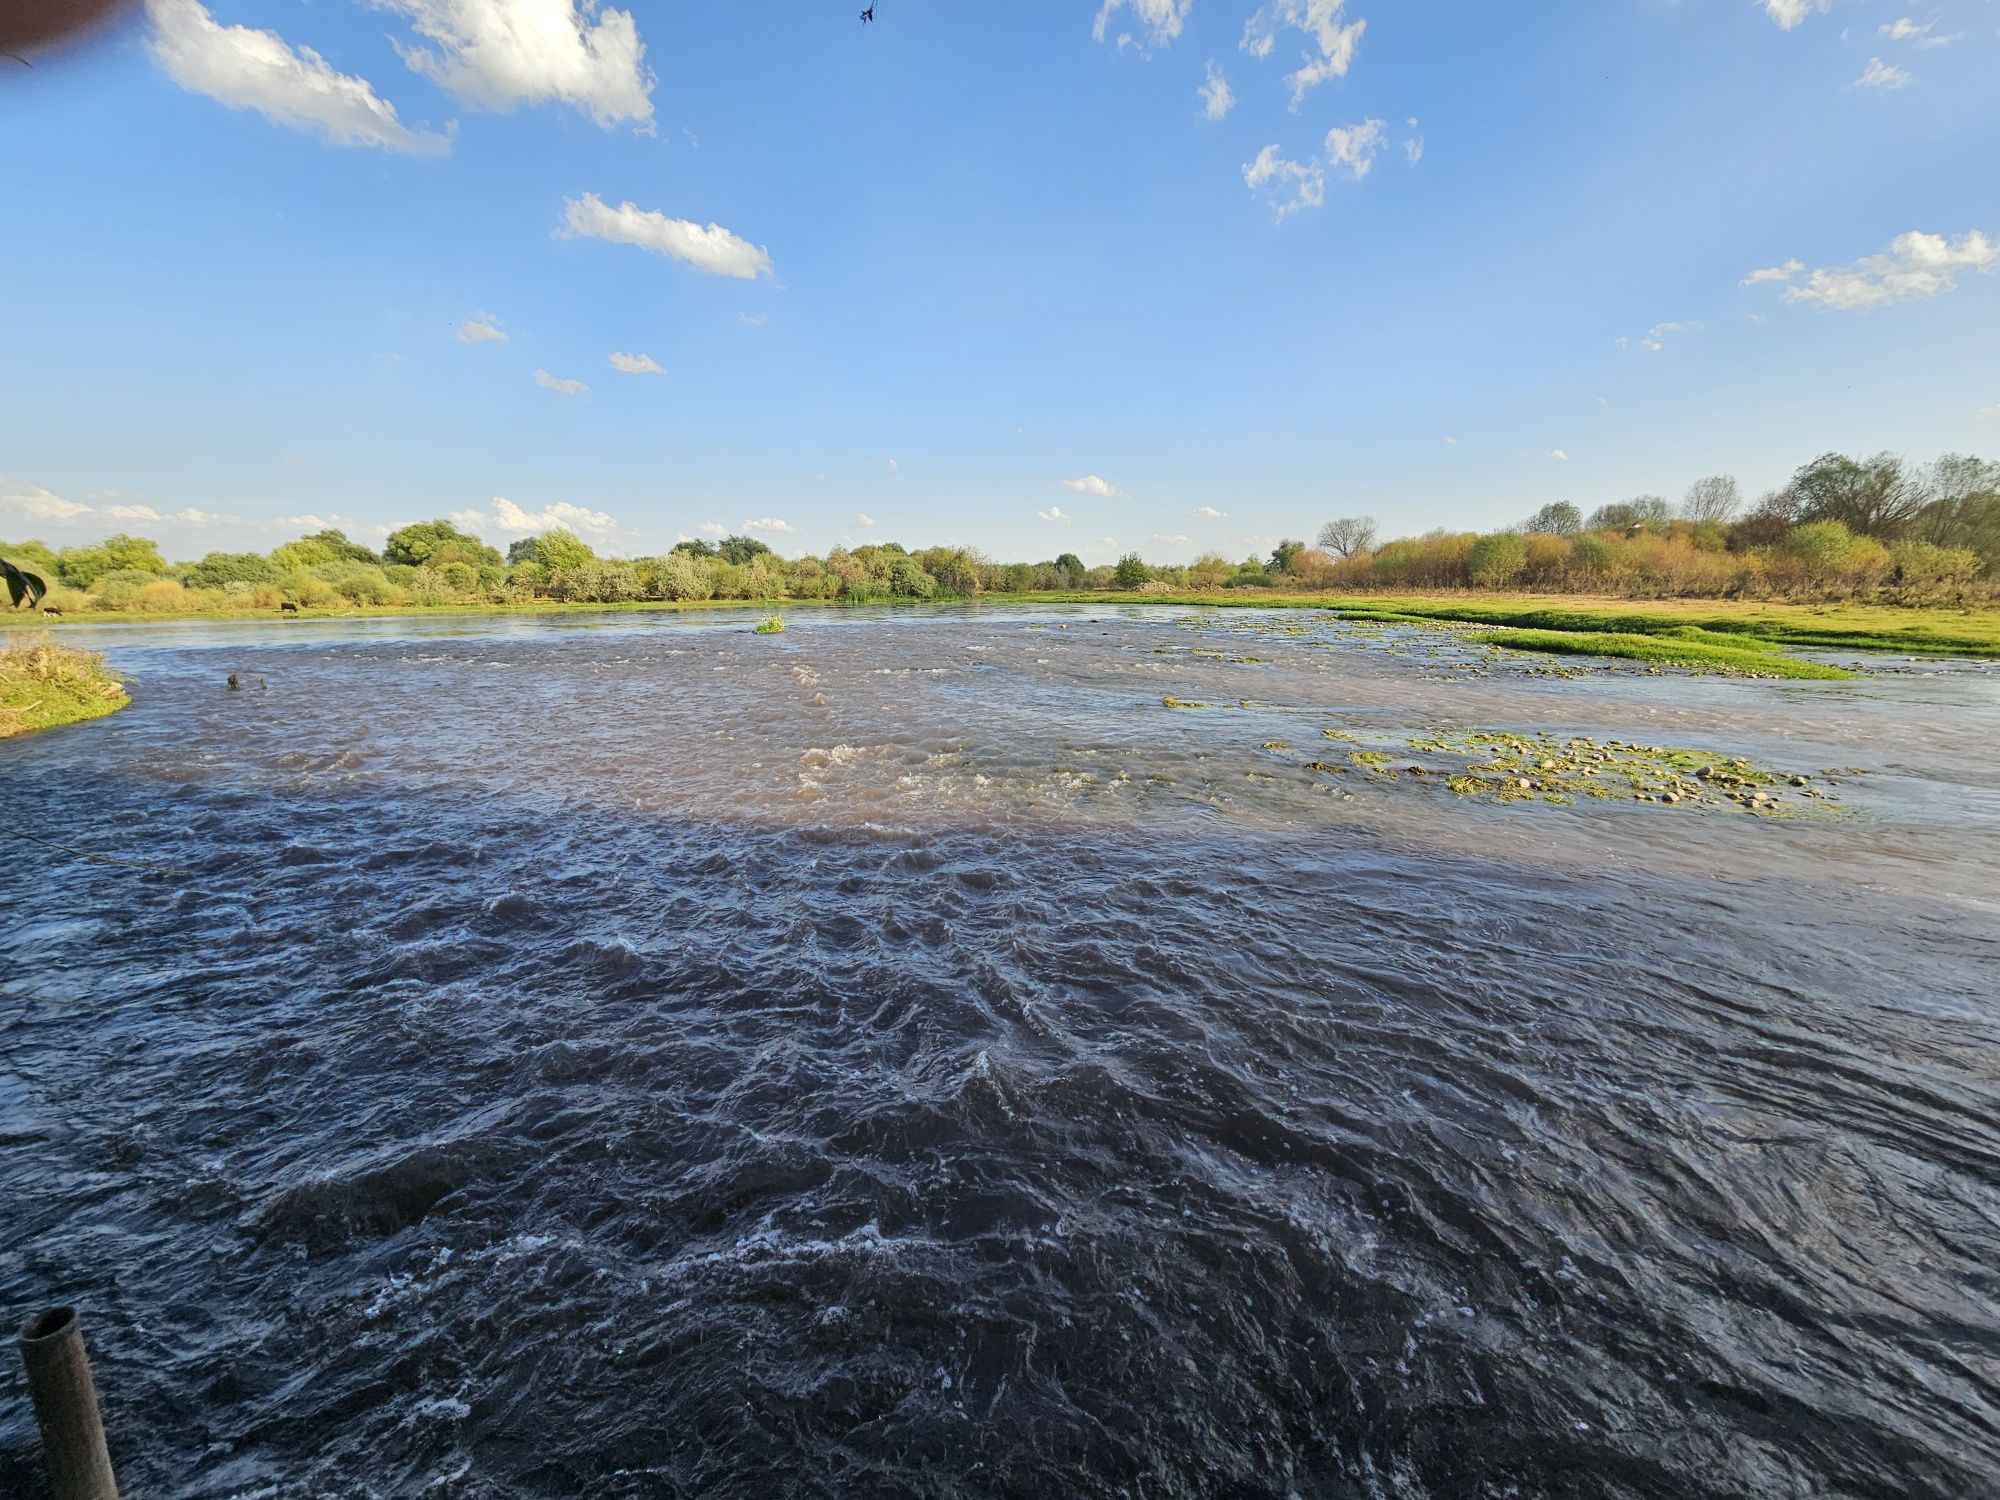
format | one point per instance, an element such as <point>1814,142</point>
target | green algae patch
<point>1172,702</point>
<point>770,626</point>
<point>44,686</point>
<point>1507,767</point>
<point>1695,650</point>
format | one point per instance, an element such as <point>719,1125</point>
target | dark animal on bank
<point>50,612</point>
<point>288,608</point>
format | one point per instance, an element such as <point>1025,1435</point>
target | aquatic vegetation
<point>1503,766</point>
<point>44,685</point>
<point>1746,658</point>
<point>1172,702</point>
<point>1339,734</point>
<point>769,626</point>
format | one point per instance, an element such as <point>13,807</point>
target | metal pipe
<point>66,1407</point>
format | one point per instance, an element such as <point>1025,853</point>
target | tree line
<point>1842,527</point>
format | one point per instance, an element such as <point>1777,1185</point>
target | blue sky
<point>962,271</point>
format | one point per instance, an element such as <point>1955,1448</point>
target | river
<point>621,1054</point>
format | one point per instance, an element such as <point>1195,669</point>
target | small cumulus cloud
<point>1991,413</point>
<point>708,248</point>
<point>1451,442</point>
<point>36,503</point>
<point>1054,515</point>
<point>244,67</point>
<point>1332,48</point>
<point>712,528</point>
<point>635,364</point>
<point>1160,20</point>
<point>481,328</point>
<point>550,382</point>
<point>507,519</point>
<point>1914,267</point>
<point>1655,338</point>
<point>1209,513</point>
<point>1351,149</point>
<point>1558,455</point>
<point>495,54</point>
<point>1881,75</point>
<point>863,520</point>
<point>1783,272</point>
<point>1176,540</point>
<point>894,465</point>
<point>1290,185</point>
<point>769,525</point>
<point>133,513</point>
<point>1090,484</point>
<point>1789,13</point>
<point>1217,97</point>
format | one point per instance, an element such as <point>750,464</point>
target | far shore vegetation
<point>44,684</point>
<point>1851,554</point>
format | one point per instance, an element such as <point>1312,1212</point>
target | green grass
<point>44,685</point>
<point>1751,658</point>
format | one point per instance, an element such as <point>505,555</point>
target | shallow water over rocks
<point>620,1054</point>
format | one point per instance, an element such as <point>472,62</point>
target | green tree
<point>1623,515</point>
<point>909,581</point>
<point>1130,572</point>
<point>218,570</point>
<point>1283,555</point>
<point>1875,497</point>
<point>437,543</point>
<point>740,549</point>
<point>1071,571</point>
<point>321,549</point>
<point>1496,559</point>
<point>80,567</point>
<point>694,546</point>
<point>559,550</point>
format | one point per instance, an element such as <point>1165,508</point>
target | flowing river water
<point>620,1054</point>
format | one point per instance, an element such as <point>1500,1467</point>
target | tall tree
<point>1876,497</point>
<point>1714,498</point>
<point>1348,535</point>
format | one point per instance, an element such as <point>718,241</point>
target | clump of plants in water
<point>43,685</point>
<point>1500,766</point>
<point>770,626</point>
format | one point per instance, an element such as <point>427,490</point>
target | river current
<point>621,1054</point>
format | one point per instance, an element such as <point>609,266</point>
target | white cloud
<point>894,465</point>
<point>38,504</point>
<point>1054,514</point>
<point>713,249</point>
<point>1306,181</point>
<point>133,513</point>
<point>1413,148</point>
<point>1352,148</point>
<point>1320,22</point>
<point>1655,337</point>
<point>770,525</point>
<point>713,528</point>
<point>635,364</point>
<point>1991,413</point>
<point>1915,266</point>
<point>863,519</point>
<point>481,328</point>
<point>1558,455</point>
<point>1217,97</point>
<point>509,520</point>
<point>1451,442</point>
<point>1090,484</point>
<point>549,382</point>
<point>1162,20</point>
<point>1922,36</point>
<point>245,68</point>
<point>1784,272</point>
<point>1788,13</point>
<point>1881,75</point>
<point>1209,512</point>
<point>1175,540</point>
<point>194,517</point>
<point>495,54</point>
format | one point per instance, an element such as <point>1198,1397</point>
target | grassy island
<point>44,684</point>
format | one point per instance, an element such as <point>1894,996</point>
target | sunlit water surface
<point>625,1055</point>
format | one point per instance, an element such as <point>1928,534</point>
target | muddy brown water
<point>625,1055</point>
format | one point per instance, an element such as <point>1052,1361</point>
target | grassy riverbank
<point>43,685</point>
<point>1702,634</point>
